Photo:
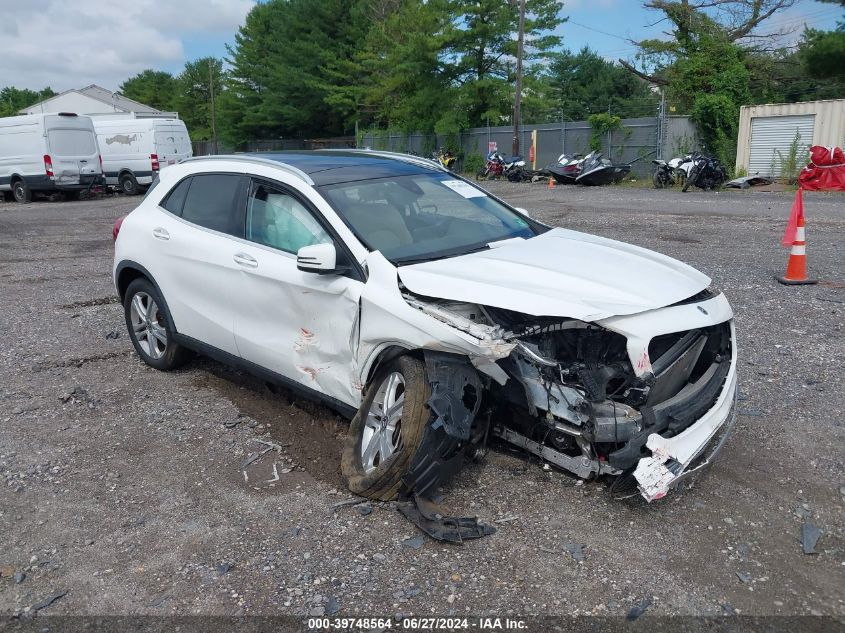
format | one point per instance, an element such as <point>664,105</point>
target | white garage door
<point>773,134</point>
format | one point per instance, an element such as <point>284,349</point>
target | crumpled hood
<point>560,273</point>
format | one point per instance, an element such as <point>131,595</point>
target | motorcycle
<point>494,167</point>
<point>705,172</point>
<point>671,172</point>
<point>514,169</point>
<point>498,166</point>
<point>445,157</point>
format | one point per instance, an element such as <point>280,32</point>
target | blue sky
<point>604,25</point>
<point>622,20</point>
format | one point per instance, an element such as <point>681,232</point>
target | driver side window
<point>277,219</point>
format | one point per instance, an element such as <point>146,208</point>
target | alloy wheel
<point>148,325</point>
<point>382,436</point>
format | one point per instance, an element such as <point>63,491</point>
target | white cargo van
<point>45,153</point>
<point>134,150</point>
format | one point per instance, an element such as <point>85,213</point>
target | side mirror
<point>317,258</point>
<point>523,211</point>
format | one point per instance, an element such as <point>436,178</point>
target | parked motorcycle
<point>514,169</point>
<point>493,168</point>
<point>671,172</point>
<point>664,174</point>
<point>445,157</point>
<point>498,166</point>
<point>705,172</point>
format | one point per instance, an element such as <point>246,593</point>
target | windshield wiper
<point>432,258</point>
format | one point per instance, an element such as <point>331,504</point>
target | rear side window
<point>175,200</point>
<point>215,201</point>
<point>68,142</point>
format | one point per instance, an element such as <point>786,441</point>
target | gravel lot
<point>123,486</point>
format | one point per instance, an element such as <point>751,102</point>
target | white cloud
<point>72,43</point>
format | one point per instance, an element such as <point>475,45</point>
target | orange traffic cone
<point>551,182</point>
<point>796,267</point>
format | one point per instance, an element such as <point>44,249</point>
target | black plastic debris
<point>223,568</point>
<point>425,515</point>
<point>454,385</point>
<point>332,606</point>
<point>746,182</point>
<point>639,609</point>
<point>576,550</point>
<point>415,542</point>
<point>47,601</point>
<point>809,537</point>
<point>744,576</point>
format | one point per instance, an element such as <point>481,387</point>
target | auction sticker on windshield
<point>463,188</point>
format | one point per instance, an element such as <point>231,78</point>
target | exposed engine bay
<point>571,392</point>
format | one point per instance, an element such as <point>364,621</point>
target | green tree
<point>193,95</point>
<point>280,83</point>
<point>396,79</point>
<point>13,100</point>
<point>584,83</point>
<point>479,48</point>
<point>704,64</point>
<point>155,88</point>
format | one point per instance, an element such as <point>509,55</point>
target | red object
<point>826,170</point>
<point>154,160</point>
<point>531,153</point>
<point>48,165</point>
<point>796,267</point>
<point>794,215</point>
<point>116,228</point>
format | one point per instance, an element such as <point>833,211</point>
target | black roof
<point>327,167</point>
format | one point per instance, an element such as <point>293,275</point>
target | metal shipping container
<point>767,131</point>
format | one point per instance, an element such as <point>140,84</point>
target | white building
<point>766,132</point>
<point>98,102</point>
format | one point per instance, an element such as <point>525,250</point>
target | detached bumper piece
<point>426,515</point>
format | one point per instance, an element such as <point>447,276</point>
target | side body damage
<point>625,395</point>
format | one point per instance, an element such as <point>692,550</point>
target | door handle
<point>161,233</point>
<point>243,259</point>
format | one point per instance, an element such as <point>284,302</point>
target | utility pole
<point>213,115</point>
<point>517,100</point>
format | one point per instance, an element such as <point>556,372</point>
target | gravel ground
<point>123,487</point>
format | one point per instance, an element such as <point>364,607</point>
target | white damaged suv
<point>432,313</point>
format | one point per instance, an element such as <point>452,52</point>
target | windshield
<point>425,216</point>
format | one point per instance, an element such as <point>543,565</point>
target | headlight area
<point>572,396</point>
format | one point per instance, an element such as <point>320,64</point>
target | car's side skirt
<point>265,374</point>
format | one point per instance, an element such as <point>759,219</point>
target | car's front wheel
<point>149,328</point>
<point>391,447</point>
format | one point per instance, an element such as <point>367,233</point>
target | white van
<point>134,150</point>
<point>43,153</point>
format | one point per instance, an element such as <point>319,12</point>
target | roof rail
<point>248,158</point>
<point>407,158</point>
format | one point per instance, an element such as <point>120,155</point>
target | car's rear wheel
<point>21,191</point>
<point>149,327</point>
<point>128,184</point>
<point>391,447</point>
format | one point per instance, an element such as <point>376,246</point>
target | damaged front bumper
<point>625,396</point>
<point>677,458</point>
